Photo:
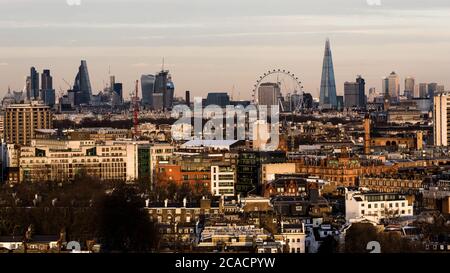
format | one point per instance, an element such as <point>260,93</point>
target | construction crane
<point>68,84</point>
<point>136,111</point>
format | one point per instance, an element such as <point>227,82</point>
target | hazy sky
<point>213,45</point>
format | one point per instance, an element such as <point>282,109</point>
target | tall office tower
<point>169,94</point>
<point>164,85</point>
<point>269,94</point>
<point>372,94</point>
<point>46,80</point>
<point>416,91</point>
<point>385,88</point>
<point>362,100</point>
<point>350,94</point>
<point>28,89</point>
<point>394,86</point>
<point>22,120</point>
<point>82,85</point>
<point>440,88</point>
<point>118,89</point>
<point>188,98</point>
<point>47,93</point>
<point>441,115</point>
<point>432,89</point>
<point>354,93</point>
<point>423,90</point>
<point>308,101</point>
<point>112,81</point>
<point>410,84</point>
<point>328,83</point>
<point>34,88</point>
<point>147,87</point>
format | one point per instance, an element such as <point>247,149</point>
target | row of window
<point>375,206</point>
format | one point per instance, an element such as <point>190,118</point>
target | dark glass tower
<point>82,85</point>
<point>328,84</point>
<point>118,88</point>
<point>147,87</point>
<point>47,92</point>
<point>34,84</point>
<point>361,92</point>
<point>46,80</point>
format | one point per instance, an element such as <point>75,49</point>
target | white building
<point>375,206</point>
<point>441,122</point>
<point>295,237</point>
<point>223,179</point>
<point>54,160</point>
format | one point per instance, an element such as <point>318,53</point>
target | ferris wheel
<point>291,90</point>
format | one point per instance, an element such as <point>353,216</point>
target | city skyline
<point>213,40</point>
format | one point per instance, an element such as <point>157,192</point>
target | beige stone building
<point>21,121</point>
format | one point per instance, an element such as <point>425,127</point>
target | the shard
<point>82,85</point>
<point>328,98</point>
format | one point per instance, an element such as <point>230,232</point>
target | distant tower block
<point>188,98</point>
<point>367,134</point>
<point>419,144</point>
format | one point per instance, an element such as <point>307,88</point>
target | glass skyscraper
<point>34,84</point>
<point>328,84</point>
<point>147,87</point>
<point>47,94</point>
<point>82,85</point>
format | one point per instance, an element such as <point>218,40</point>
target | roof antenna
<point>163,64</point>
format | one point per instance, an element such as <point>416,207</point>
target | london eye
<point>279,87</point>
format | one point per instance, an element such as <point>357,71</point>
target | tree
<point>329,245</point>
<point>360,234</point>
<point>123,225</point>
<point>357,237</point>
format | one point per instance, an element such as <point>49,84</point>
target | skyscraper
<point>82,85</point>
<point>394,86</point>
<point>188,98</point>
<point>268,94</point>
<point>423,90</point>
<point>164,86</point>
<point>354,93</point>
<point>441,125</point>
<point>118,89</point>
<point>47,93</point>
<point>34,84</point>
<point>385,88</point>
<point>328,83</point>
<point>46,80</point>
<point>410,84</point>
<point>147,87</point>
<point>432,89</point>
<point>350,94</point>
<point>28,88</point>
<point>362,100</point>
